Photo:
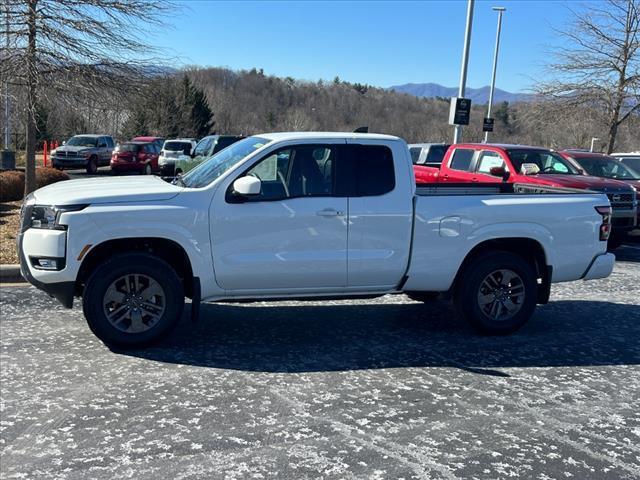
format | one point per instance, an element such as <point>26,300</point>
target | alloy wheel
<point>501,294</point>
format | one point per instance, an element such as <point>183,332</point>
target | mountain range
<point>477,95</point>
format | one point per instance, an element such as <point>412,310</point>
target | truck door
<point>290,237</point>
<point>486,161</point>
<point>460,167</point>
<point>380,212</point>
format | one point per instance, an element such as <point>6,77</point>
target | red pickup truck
<point>491,163</point>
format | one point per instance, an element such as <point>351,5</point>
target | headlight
<point>48,216</point>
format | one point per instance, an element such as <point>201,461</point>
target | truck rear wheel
<point>132,300</point>
<point>497,293</point>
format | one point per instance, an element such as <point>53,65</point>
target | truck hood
<point>586,182</point>
<point>71,148</point>
<point>106,190</point>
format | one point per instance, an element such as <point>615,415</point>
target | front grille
<point>621,200</point>
<point>64,154</point>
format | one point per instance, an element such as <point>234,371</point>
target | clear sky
<point>382,43</point>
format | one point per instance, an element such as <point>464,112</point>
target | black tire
<point>471,286</point>
<point>112,270</point>
<point>423,296</point>
<point>92,165</point>
<point>147,169</point>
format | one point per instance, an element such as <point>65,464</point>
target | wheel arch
<point>529,249</point>
<point>167,250</point>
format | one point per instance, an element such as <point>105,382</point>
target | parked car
<point>158,141</point>
<point>212,144</point>
<point>308,215</point>
<point>600,165</point>
<point>429,154</point>
<point>488,163</point>
<point>141,157</point>
<point>83,151</point>
<point>630,159</point>
<point>173,151</point>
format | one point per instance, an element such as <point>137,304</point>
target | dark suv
<point>213,144</point>
<point>84,151</point>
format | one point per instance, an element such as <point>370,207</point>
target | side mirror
<point>64,142</point>
<point>501,172</point>
<point>529,169</point>
<point>248,186</point>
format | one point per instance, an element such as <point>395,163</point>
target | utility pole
<point>7,101</point>
<point>500,11</point>
<point>457,136</point>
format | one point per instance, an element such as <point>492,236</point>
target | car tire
<point>178,172</point>
<point>424,297</point>
<point>92,165</point>
<point>147,169</point>
<point>497,293</point>
<point>132,300</point>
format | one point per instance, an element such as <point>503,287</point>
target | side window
<point>461,159</point>
<point>109,142</point>
<point>488,160</point>
<point>301,171</point>
<point>375,172</point>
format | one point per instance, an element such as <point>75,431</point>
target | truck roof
<point>504,146</point>
<point>280,136</point>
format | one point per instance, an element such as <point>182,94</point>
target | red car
<point>601,165</point>
<point>141,157</point>
<point>491,163</point>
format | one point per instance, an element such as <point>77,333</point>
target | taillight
<point>605,227</point>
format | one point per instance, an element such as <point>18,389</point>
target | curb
<point>10,273</point>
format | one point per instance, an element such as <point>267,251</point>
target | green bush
<point>12,182</point>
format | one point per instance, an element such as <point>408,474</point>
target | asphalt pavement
<point>385,388</point>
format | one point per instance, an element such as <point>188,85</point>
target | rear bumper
<point>127,166</point>
<point>601,266</point>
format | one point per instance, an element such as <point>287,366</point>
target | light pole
<point>457,135</point>
<point>500,11</point>
<point>593,140</point>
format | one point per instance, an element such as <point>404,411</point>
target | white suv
<point>173,151</point>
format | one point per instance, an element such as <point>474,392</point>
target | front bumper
<point>61,291</point>
<point>601,266</point>
<point>68,162</point>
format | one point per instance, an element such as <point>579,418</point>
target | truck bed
<point>429,189</point>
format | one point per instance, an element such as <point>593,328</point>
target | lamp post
<point>500,11</point>
<point>457,136</point>
<point>593,140</point>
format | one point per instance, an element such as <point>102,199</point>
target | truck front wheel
<point>132,300</point>
<point>497,293</point>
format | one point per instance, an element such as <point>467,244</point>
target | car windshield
<point>608,168</point>
<point>177,146</point>
<point>83,141</point>
<point>216,165</point>
<point>546,161</point>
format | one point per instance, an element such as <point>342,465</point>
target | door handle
<point>328,212</point>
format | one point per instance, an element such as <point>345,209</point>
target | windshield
<point>547,162</point>
<point>177,146</point>
<point>83,141</point>
<point>129,147</point>
<point>216,165</point>
<point>608,168</point>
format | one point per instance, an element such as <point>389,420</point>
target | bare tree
<point>76,47</point>
<point>600,67</point>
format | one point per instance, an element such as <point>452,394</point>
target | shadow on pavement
<point>630,252</point>
<point>287,338</point>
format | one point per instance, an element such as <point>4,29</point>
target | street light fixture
<point>500,11</point>
<point>593,140</point>
<point>457,134</point>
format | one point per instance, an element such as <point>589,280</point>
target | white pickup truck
<point>306,216</point>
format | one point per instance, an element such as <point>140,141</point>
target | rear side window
<point>365,170</point>
<point>461,159</point>
<point>436,153</point>
<point>129,147</point>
